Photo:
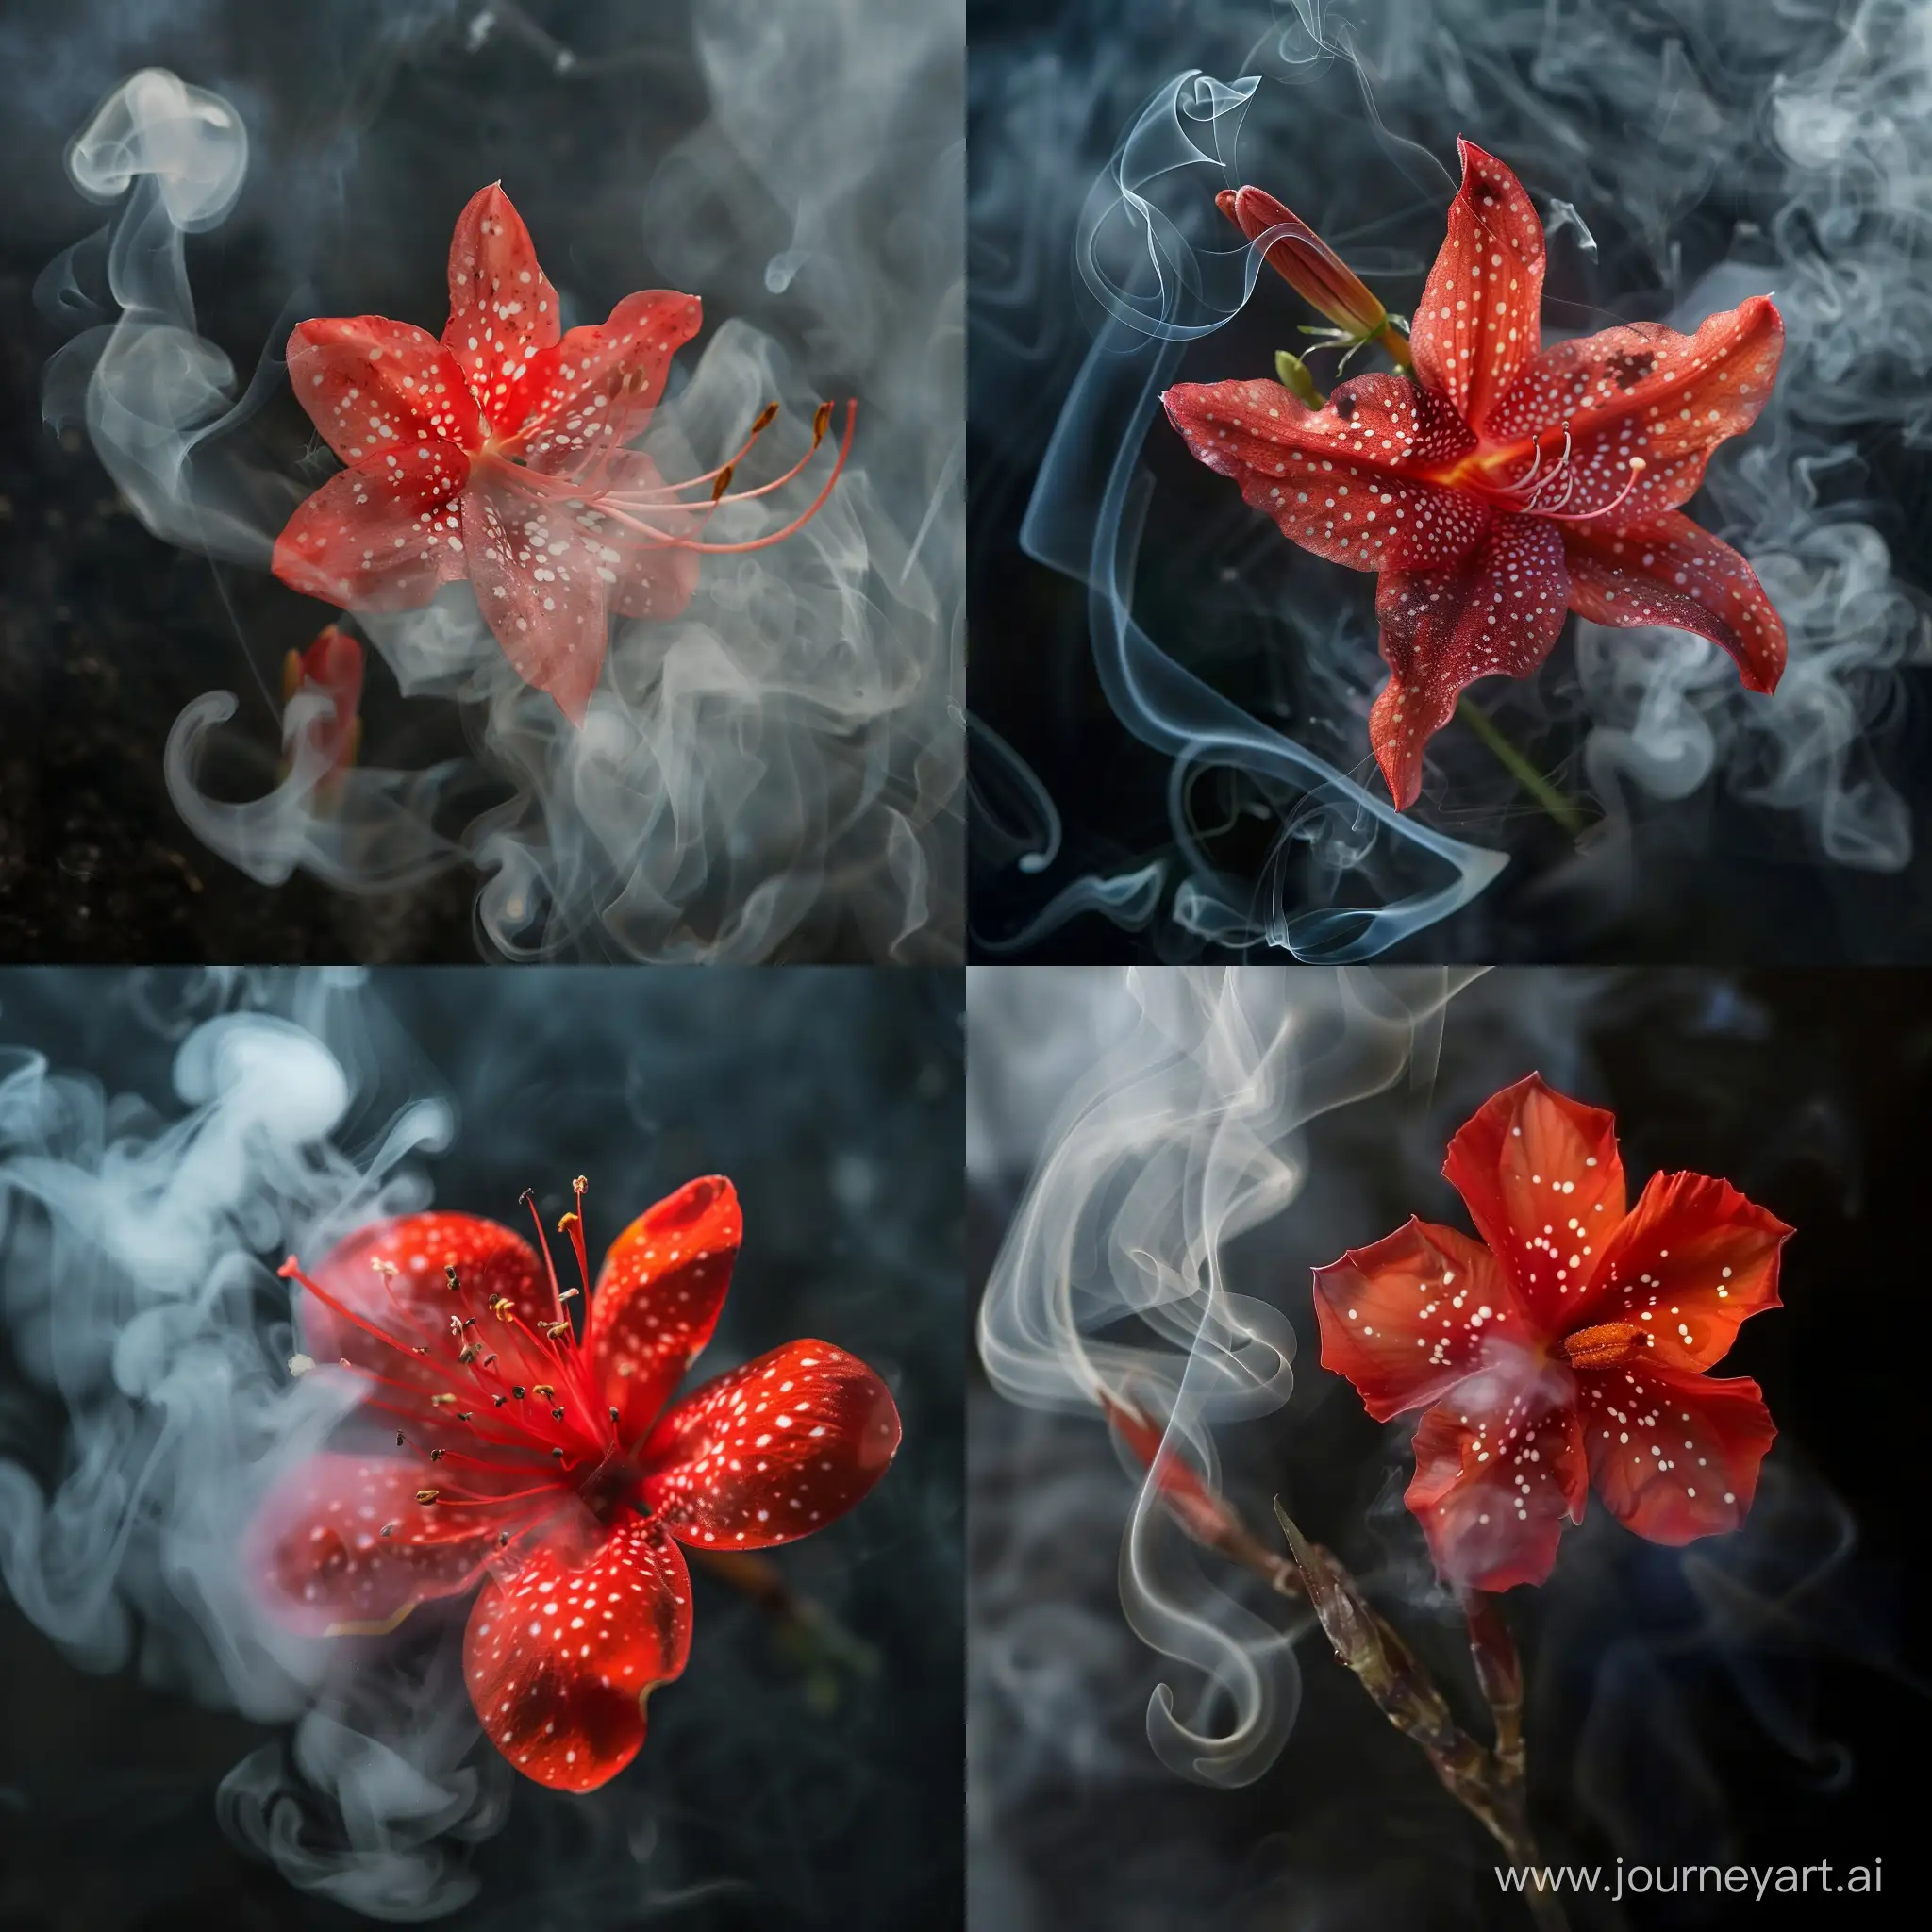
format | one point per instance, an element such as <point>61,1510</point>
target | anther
<point>502,1538</point>
<point>556,1415</point>
<point>722,483</point>
<point>503,1307</point>
<point>764,419</point>
<point>613,1415</point>
<point>399,1438</point>
<point>428,1495</point>
<point>449,1274</point>
<point>517,1390</point>
<point>389,1529</point>
<point>443,1401</point>
<point>555,1329</point>
<point>821,422</point>
<point>543,1388</point>
<point>437,1454</point>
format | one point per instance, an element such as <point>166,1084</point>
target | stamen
<point>1638,466</point>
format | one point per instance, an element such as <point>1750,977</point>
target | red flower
<point>1571,1349</point>
<point>501,454</point>
<point>1507,483</point>
<point>545,1466</point>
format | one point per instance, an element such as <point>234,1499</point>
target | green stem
<point>1560,807</point>
<point>1396,343</point>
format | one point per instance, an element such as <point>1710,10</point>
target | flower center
<point>1534,478</point>
<point>1604,1345</point>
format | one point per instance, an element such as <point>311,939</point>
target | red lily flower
<point>501,454</point>
<point>1571,1349</point>
<point>560,1480</point>
<point>1507,483</point>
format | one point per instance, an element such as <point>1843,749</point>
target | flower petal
<point>658,1297</point>
<point>1690,1261</point>
<point>771,1451</point>
<point>318,1551</point>
<point>1642,390</point>
<point>560,1655</point>
<point>1336,478</point>
<point>413,1308</point>
<point>361,542</point>
<point>1543,1182</point>
<point>369,384</point>
<point>502,309</point>
<point>542,587</point>
<point>1413,1314</point>
<point>1670,571</point>
<point>1493,1487</point>
<point>1480,317</point>
<point>596,389</point>
<point>1674,1455</point>
<point>1499,609</point>
<point>653,580</point>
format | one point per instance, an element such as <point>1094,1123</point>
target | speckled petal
<point>1670,571</point>
<point>319,1556</point>
<point>369,384</point>
<point>657,1298</point>
<point>562,1651</point>
<point>1689,1263</point>
<point>414,1306</point>
<point>502,309</point>
<point>596,389</point>
<point>542,585</point>
<point>1337,479</point>
<point>1642,390</point>
<point>1495,1483</point>
<point>1543,1182</point>
<point>1497,611</point>
<point>376,537</point>
<point>1674,1455</point>
<point>772,1451</point>
<point>1479,320</point>
<point>1410,1315</point>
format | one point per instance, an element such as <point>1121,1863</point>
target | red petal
<point>1674,1455</point>
<point>413,1307</point>
<point>596,388</point>
<point>1501,608</point>
<point>1412,1315</point>
<point>653,580</point>
<point>1494,1483</point>
<point>1642,390</point>
<point>657,1298</point>
<point>562,1655</point>
<point>773,1450</point>
<point>1480,316</point>
<point>1334,478</point>
<point>1670,571</point>
<point>317,1547</point>
<point>1692,1261</point>
<point>362,542</point>
<point>550,612</point>
<point>1542,1180</point>
<point>369,384</point>
<point>502,309</point>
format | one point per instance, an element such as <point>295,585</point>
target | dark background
<point>832,1098</point>
<point>1053,87</point>
<point>1809,1092</point>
